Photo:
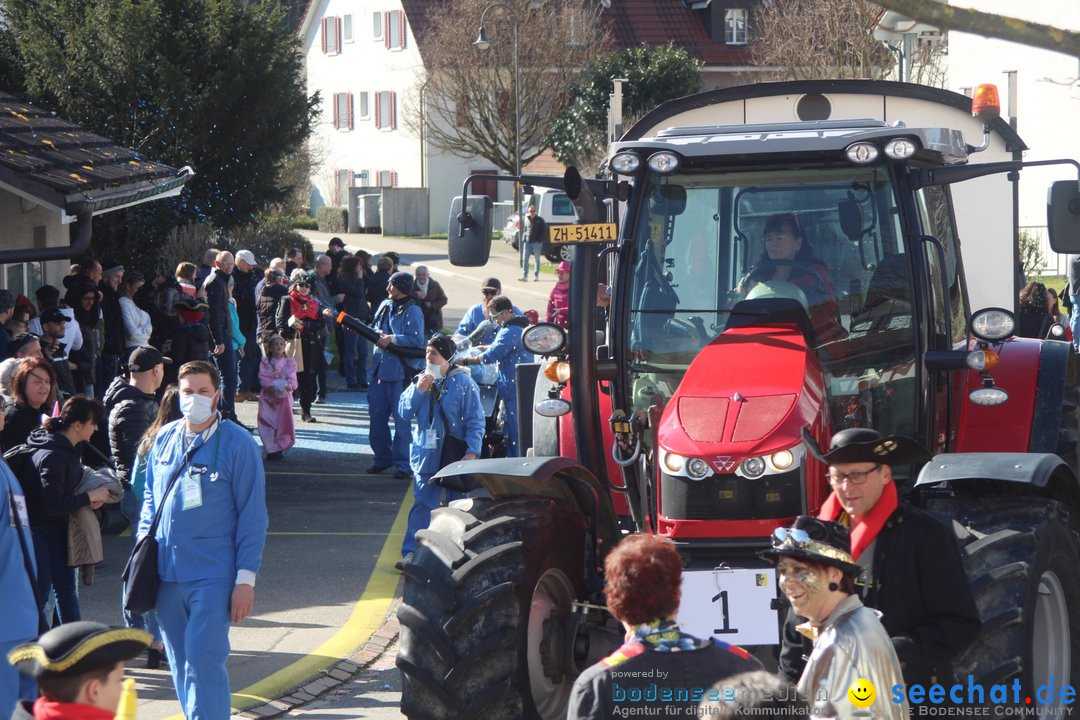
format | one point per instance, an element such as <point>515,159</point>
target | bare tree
<point>977,22</point>
<point>466,103</point>
<point>814,39</point>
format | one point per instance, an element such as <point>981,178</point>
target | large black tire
<point>481,637</point>
<point>1022,560</point>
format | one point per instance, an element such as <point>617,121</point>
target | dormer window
<point>735,26</point>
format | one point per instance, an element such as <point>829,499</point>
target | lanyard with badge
<point>431,435</point>
<point>191,485</point>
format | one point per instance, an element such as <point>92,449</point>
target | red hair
<point>643,577</point>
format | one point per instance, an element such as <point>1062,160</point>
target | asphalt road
<point>327,581</point>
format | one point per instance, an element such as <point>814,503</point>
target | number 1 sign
<point>734,605</point>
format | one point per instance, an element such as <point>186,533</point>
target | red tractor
<point>679,410</point>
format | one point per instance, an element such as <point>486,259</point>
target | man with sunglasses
<point>911,567</point>
<point>478,313</point>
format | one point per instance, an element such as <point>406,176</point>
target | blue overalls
<point>204,551</point>
<point>405,321</point>
<point>507,351</point>
<point>452,404</point>
<point>19,621</point>
<point>472,318</point>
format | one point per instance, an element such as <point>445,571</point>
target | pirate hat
<point>817,541</point>
<point>76,648</point>
<point>865,445</point>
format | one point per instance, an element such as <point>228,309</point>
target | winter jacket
<point>57,470</point>
<point>404,320</point>
<point>558,309</point>
<point>137,325</point>
<point>355,292</point>
<point>244,294</point>
<point>130,412</point>
<point>451,406</point>
<point>217,297</point>
<point>267,306</point>
<point>19,422</point>
<point>84,529</point>
<point>114,321</point>
<point>239,340</point>
<point>434,301</point>
<point>190,341</point>
<point>376,289</point>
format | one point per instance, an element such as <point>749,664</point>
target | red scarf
<point>49,710</point>
<point>868,528</point>
<point>303,307</point>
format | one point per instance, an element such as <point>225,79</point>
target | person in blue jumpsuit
<point>211,537</point>
<point>478,313</point>
<point>442,400</point>
<point>506,350</point>
<point>21,619</point>
<point>400,321</point>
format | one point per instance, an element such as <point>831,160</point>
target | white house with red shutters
<point>363,59</point>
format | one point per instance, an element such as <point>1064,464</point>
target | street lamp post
<point>483,43</point>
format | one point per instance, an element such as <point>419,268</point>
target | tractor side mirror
<point>1063,216</point>
<point>851,219</point>
<point>578,191</point>
<point>469,231</point>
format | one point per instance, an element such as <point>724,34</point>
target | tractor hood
<point>748,393</point>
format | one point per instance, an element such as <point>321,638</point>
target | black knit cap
<point>76,648</point>
<point>403,281</point>
<point>443,345</point>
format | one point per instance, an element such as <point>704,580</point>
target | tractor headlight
<point>663,161</point>
<point>861,153</point>
<point>774,463</point>
<point>753,467</point>
<point>625,163</point>
<point>673,463</point>
<point>900,148</point>
<point>782,460</point>
<point>697,469</point>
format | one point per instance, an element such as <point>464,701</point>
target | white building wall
<point>1047,98</point>
<point>366,65</point>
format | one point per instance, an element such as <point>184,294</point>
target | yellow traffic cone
<point>129,699</point>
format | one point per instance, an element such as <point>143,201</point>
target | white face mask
<point>434,370</point>
<point>197,409</point>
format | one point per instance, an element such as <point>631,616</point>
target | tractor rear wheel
<point>483,618</point>
<point>1022,559</point>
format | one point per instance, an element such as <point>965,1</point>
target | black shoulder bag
<point>140,577</point>
<point>454,448</point>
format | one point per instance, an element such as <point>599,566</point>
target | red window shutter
<point>401,27</point>
<point>393,179</point>
<point>337,120</point>
<point>323,34</point>
<point>393,109</point>
<point>386,29</point>
<point>378,110</point>
<point>349,110</point>
<point>337,32</point>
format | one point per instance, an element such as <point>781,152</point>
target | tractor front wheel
<point>484,618</point>
<point>1021,557</point>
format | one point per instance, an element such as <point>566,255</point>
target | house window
<point>346,29</point>
<point>362,178</point>
<point>343,111</point>
<point>394,29</point>
<point>386,178</point>
<point>23,278</point>
<point>577,27</point>
<point>377,33</point>
<point>341,189</point>
<point>365,113</point>
<point>386,110</point>
<point>735,26</point>
<point>331,35</point>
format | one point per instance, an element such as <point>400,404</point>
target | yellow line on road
<point>367,616</point>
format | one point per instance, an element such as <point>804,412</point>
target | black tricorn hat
<point>817,541</point>
<point>189,303</point>
<point>865,445</point>
<point>76,648</point>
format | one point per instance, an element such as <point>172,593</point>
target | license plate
<point>590,232</point>
<point>733,605</point>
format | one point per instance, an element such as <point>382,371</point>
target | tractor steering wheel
<point>767,267</point>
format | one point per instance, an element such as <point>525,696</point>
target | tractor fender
<point>1040,474</point>
<point>1034,373</point>
<point>556,478</point>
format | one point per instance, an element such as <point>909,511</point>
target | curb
<point>334,676</point>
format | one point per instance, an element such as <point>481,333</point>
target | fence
<point>1053,263</point>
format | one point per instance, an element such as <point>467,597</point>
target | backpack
<point>18,459</point>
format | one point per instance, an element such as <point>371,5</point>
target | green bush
<point>332,219</point>
<point>269,238</point>
<point>305,222</point>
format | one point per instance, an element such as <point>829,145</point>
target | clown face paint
<point>806,587</point>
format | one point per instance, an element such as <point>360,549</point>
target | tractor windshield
<point>712,246</point>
